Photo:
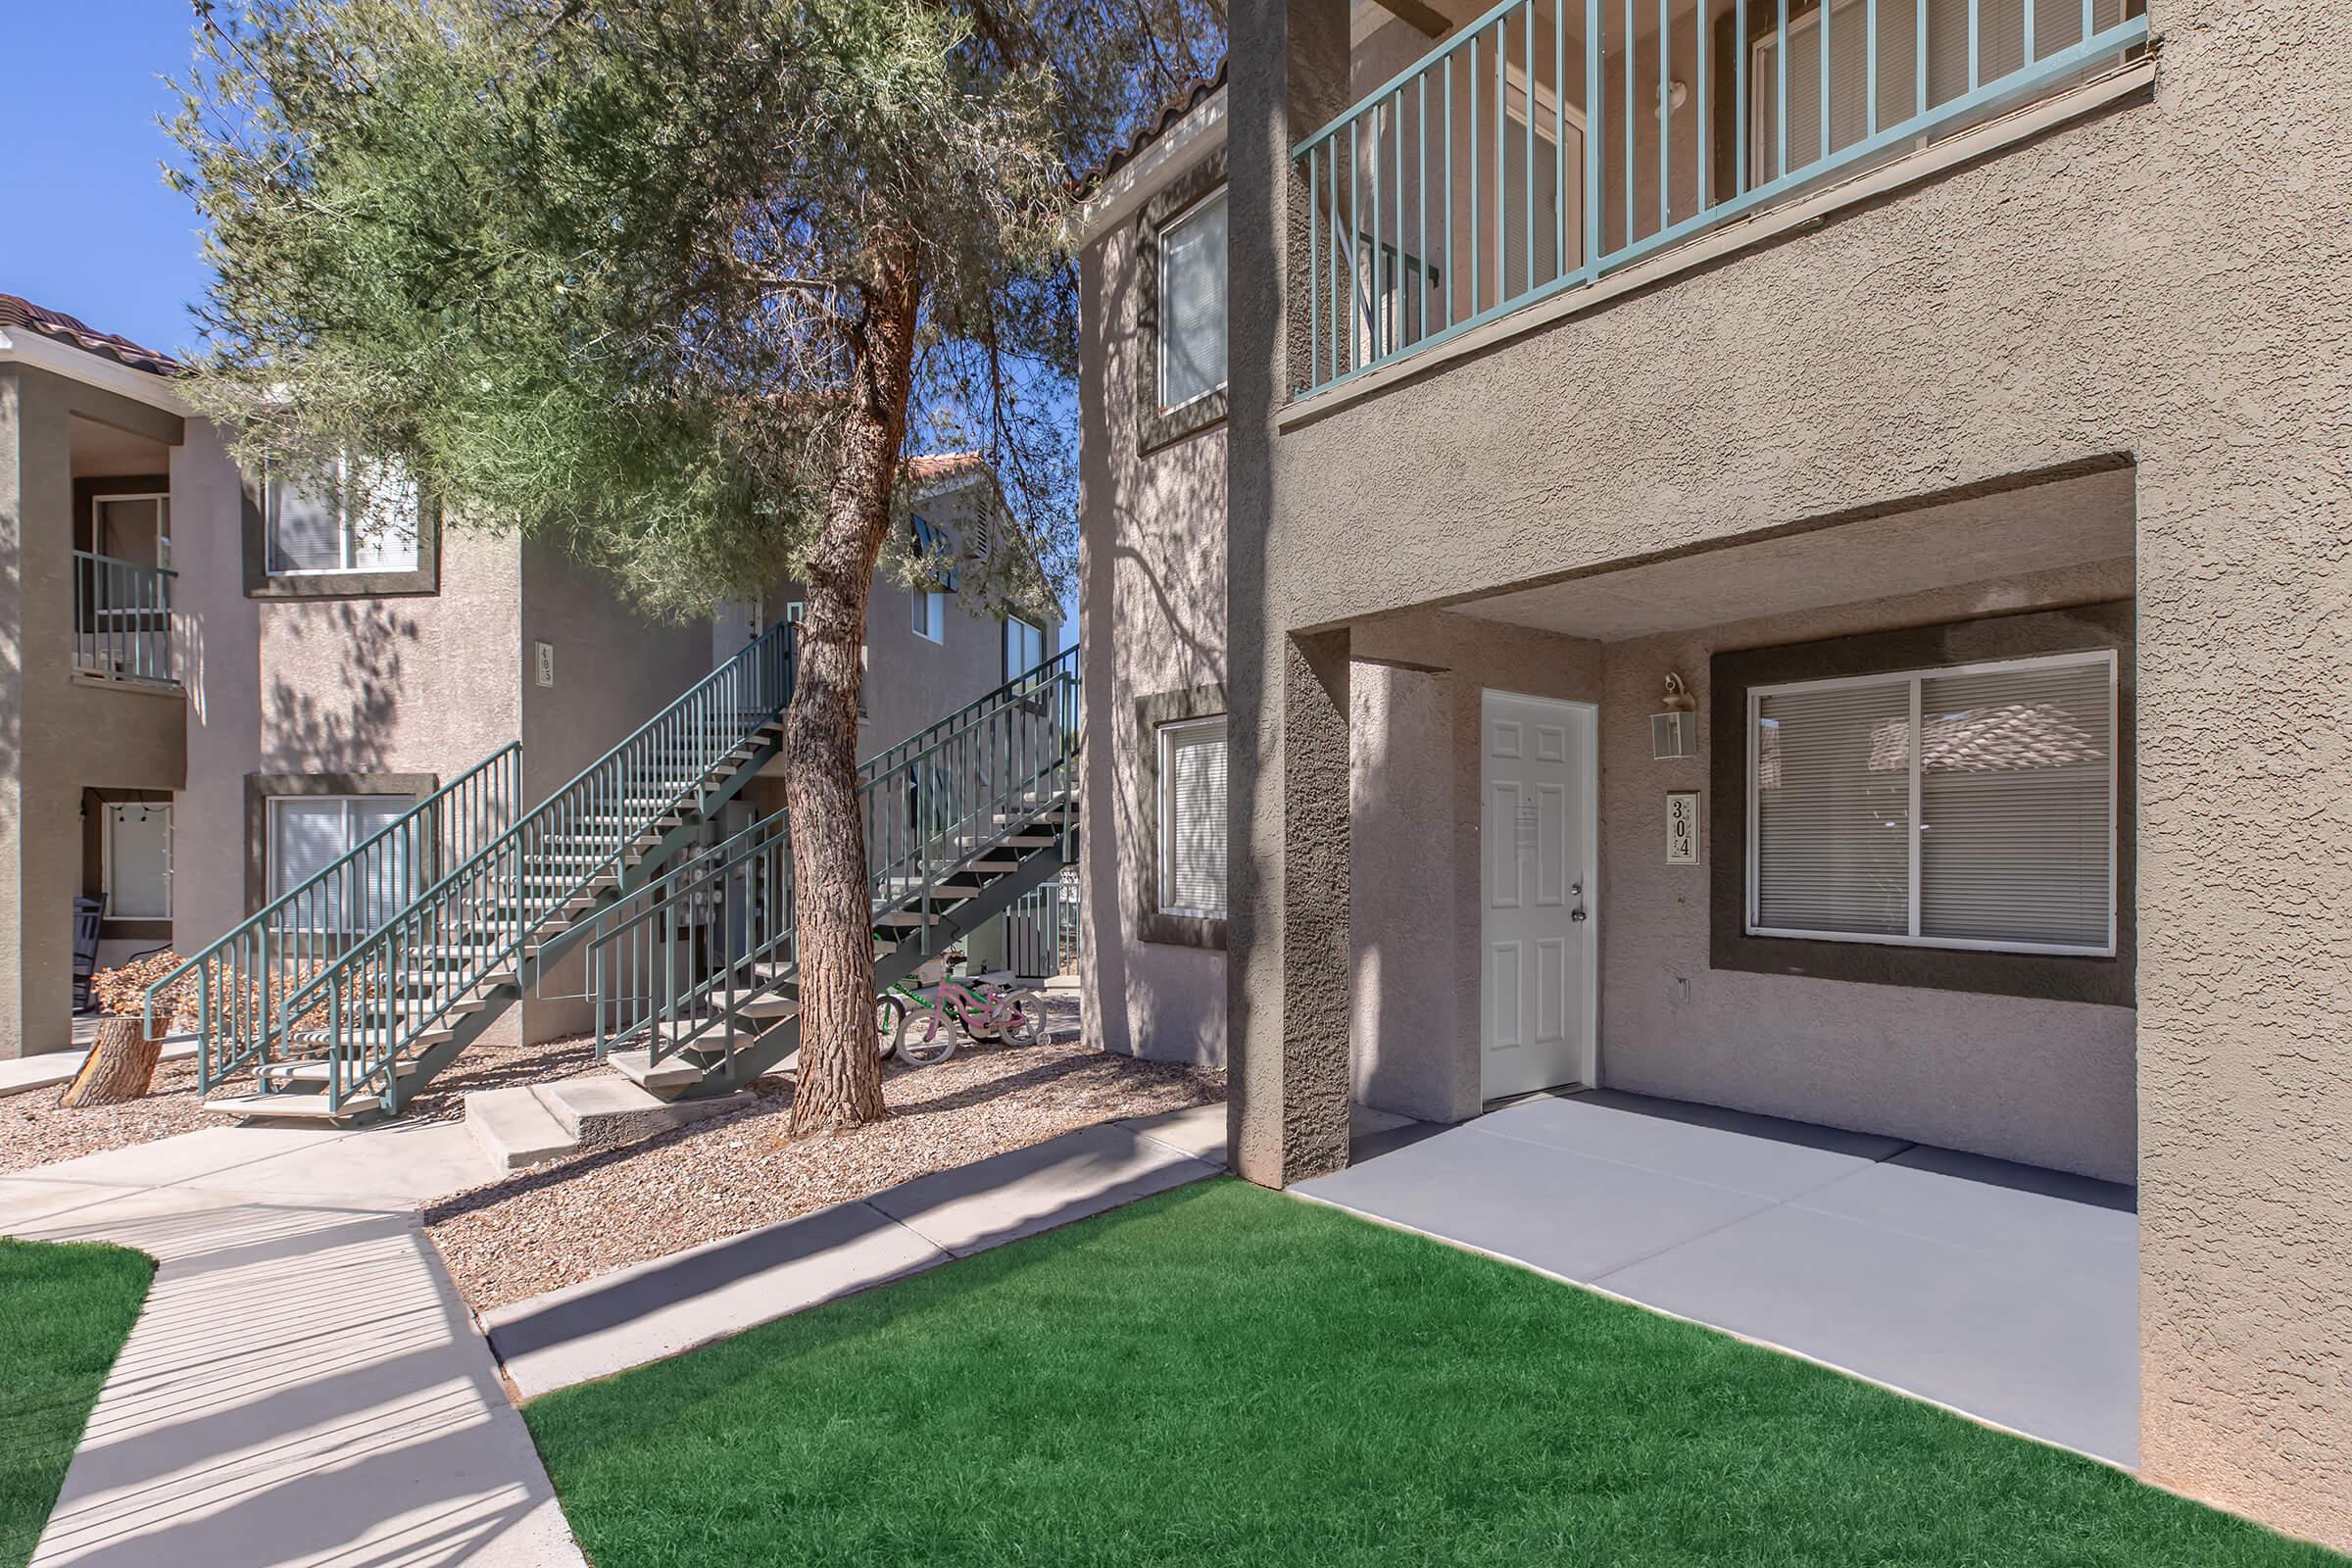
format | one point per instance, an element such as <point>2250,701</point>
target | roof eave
<point>23,347</point>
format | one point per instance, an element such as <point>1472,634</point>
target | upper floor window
<point>1024,647</point>
<point>1972,807</point>
<point>1192,297</point>
<point>367,519</point>
<point>930,615</point>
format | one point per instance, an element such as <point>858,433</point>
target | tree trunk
<point>120,1067</point>
<point>840,1078</point>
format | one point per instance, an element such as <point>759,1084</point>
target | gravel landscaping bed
<point>34,1131</point>
<point>562,1223</point>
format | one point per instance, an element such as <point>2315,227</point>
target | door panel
<point>1536,923</point>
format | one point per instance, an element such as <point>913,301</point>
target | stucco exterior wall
<point>219,631</point>
<point>58,735</point>
<point>2049,1083</point>
<point>1152,607</point>
<point>2165,277</point>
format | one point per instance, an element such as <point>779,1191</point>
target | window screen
<point>1963,808</point>
<point>1191,818</point>
<point>1192,303</point>
<point>363,517</point>
<point>309,834</point>
<point>1024,647</point>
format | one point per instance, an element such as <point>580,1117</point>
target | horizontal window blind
<point>309,833</point>
<point>1193,818</point>
<point>1964,808</point>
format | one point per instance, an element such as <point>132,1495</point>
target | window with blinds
<point>2000,30</point>
<point>367,517</point>
<point>1024,647</point>
<point>309,833</point>
<point>1968,807</point>
<point>1192,303</point>
<point>1191,818</point>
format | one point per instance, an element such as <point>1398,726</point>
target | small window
<point>1191,818</point>
<point>1965,808</point>
<point>1024,647</point>
<point>138,861</point>
<point>1191,303</point>
<point>930,615</point>
<point>309,833</point>
<point>370,521</point>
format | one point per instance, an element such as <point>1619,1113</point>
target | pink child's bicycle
<point>920,1037</point>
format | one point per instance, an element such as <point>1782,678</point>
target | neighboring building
<point>220,687</point>
<point>1968,454</point>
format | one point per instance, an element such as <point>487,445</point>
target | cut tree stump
<point>121,1065</point>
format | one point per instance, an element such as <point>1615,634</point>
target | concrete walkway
<point>304,1386</point>
<point>642,1313</point>
<point>22,1075</point>
<point>2004,1291</point>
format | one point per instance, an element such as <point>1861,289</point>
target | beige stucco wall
<point>2165,279</point>
<point>1151,610</point>
<point>2049,1083</point>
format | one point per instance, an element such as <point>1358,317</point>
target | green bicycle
<point>911,1023</point>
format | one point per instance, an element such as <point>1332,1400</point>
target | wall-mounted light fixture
<point>1674,733</point>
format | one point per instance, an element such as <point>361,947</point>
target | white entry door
<point>1536,964</point>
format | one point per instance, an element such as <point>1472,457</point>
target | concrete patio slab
<point>1010,1195</point>
<point>190,1157</point>
<point>1566,1213</point>
<point>643,1313</point>
<point>400,1162</point>
<point>1752,1155</point>
<point>2004,1291</point>
<point>2015,1339</point>
<point>23,1075</point>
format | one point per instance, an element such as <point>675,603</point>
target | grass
<point>1223,1375</point>
<point>64,1311</point>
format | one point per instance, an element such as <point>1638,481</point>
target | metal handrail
<point>1419,169</point>
<point>739,895</point>
<point>386,994</point>
<point>121,618</point>
<point>291,938</point>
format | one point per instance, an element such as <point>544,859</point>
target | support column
<point>1287,889</point>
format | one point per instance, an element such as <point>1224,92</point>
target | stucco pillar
<point>1289,998</point>
<point>12,717</point>
<point>1287,894</point>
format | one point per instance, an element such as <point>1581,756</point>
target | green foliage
<point>1223,1375</point>
<point>595,270</point>
<point>70,1309</point>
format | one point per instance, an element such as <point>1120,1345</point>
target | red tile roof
<point>17,313</point>
<point>1173,109</point>
<point>933,466</point>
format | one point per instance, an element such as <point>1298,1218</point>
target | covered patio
<point>2004,1291</point>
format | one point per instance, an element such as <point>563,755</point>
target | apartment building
<point>221,687</point>
<point>1777,557</point>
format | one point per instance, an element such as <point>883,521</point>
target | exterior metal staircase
<point>695,973</point>
<point>367,1018</point>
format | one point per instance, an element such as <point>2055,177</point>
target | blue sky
<point>88,227</point>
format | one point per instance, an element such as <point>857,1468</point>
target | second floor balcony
<point>122,618</point>
<point>1546,144</point>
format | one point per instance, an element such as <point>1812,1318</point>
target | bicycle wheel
<point>921,1039</point>
<point>888,1013</point>
<point>1023,1028</point>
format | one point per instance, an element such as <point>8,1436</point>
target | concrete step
<point>516,1127</point>
<point>769,1009</point>
<point>289,1107</point>
<point>638,1067</point>
<point>607,1110</point>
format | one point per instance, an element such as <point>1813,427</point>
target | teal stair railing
<point>702,962</point>
<point>121,618</point>
<point>490,923</point>
<point>228,992</point>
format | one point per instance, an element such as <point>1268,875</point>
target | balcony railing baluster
<point>1371,301</point>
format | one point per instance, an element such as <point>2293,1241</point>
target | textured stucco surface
<point>1151,606</point>
<point>2048,1083</point>
<point>2168,277</point>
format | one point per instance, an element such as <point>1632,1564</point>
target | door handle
<point>1577,915</point>
<point>1575,891</point>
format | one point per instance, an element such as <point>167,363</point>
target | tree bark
<point>121,1065</point>
<point>840,1079</point>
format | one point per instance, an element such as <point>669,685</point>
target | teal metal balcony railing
<point>1550,142</point>
<point>121,618</point>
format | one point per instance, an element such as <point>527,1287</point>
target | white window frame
<point>347,537</point>
<point>163,522</point>
<point>108,858</point>
<point>932,604</point>
<point>1176,220</point>
<point>1913,677</point>
<point>1012,671</point>
<point>1165,738</point>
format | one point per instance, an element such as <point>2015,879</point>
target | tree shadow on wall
<point>336,723</point>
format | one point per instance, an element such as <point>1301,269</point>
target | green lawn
<point>1227,1376</point>
<point>64,1314</point>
